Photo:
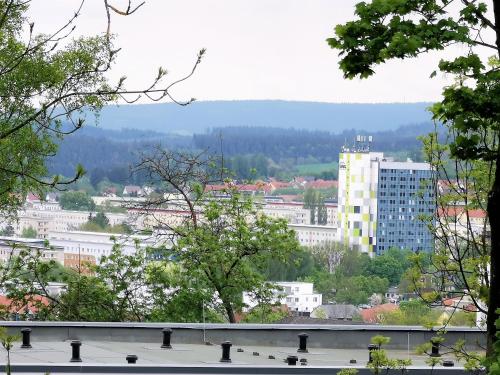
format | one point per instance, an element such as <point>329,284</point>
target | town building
<point>311,235</point>
<point>299,297</point>
<point>292,212</point>
<point>45,221</point>
<point>381,201</point>
<point>80,247</point>
<point>12,247</point>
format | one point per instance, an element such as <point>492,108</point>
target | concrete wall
<point>212,369</point>
<point>324,336</point>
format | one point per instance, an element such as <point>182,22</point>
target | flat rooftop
<point>256,349</point>
<point>111,355</point>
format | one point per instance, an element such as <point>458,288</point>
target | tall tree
<point>315,202</point>
<point>329,253</point>
<point>222,242</point>
<point>470,109</point>
<point>49,85</point>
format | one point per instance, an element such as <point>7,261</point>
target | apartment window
<point>357,209</point>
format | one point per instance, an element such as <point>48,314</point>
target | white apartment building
<point>295,213</point>
<point>43,205</point>
<point>298,296</point>
<point>118,201</point>
<point>12,246</point>
<point>310,235</point>
<point>96,244</point>
<point>292,212</point>
<point>332,215</point>
<point>45,221</point>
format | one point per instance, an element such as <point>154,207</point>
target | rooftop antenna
<point>362,143</point>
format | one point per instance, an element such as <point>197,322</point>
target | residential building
<point>133,190</point>
<point>11,247</point>
<point>380,201</point>
<point>292,212</point>
<point>298,296</point>
<point>392,294</point>
<point>80,246</point>
<point>373,315</point>
<point>310,235</point>
<point>45,221</point>
<point>332,214</point>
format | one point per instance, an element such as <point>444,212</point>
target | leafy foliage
<point>7,342</point>
<point>469,112</point>
<point>315,202</point>
<point>76,200</point>
<point>347,276</point>
<point>225,248</point>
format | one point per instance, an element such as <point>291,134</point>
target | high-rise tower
<point>380,201</point>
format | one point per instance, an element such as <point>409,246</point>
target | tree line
<point>250,152</point>
<point>300,144</point>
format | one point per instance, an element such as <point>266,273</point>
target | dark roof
<point>339,311</point>
<point>309,320</point>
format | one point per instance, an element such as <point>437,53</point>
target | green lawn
<point>317,168</point>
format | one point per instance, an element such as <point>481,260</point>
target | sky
<point>256,49</point>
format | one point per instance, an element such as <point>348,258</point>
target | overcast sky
<point>256,49</point>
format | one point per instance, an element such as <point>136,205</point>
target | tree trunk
<point>494,219</point>
<point>494,291</point>
<point>230,312</point>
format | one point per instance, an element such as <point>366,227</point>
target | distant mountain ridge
<point>203,116</point>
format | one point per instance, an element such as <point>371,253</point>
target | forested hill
<point>109,153</point>
<point>200,116</point>
<point>298,144</point>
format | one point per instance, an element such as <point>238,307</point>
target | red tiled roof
<point>280,184</point>
<point>322,184</point>
<point>32,197</point>
<point>372,315</point>
<point>471,307</point>
<point>258,186</point>
<point>454,211</point>
<point>449,302</point>
<point>215,187</point>
<point>30,303</point>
